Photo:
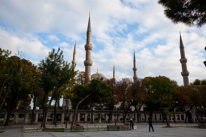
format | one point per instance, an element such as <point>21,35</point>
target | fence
<point>32,128</point>
<point>184,125</point>
<point>81,128</point>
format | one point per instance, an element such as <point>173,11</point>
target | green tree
<point>94,92</point>
<point>18,93</point>
<point>9,69</point>
<point>55,73</point>
<point>189,12</point>
<point>113,101</point>
<point>160,90</point>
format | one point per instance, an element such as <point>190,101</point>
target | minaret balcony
<point>74,62</point>
<point>135,69</point>
<point>185,73</point>
<point>88,63</point>
<point>184,60</point>
<point>88,47</point>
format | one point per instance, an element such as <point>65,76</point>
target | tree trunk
<point>7,118</point>
<point>138,115</point>
<point>75,112</point>
<point>54,119</point>
<point>174,118</point>
<point>167,121</point>
<point>34,108</point>
<point>151,115</point>
<point>92,116</point>
<point>44,118</point>
<point>45,109</point>
<point>186,117</point>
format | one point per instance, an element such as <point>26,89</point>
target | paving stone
<point>142,130</point>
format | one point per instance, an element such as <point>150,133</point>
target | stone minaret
<point>114,72</point>
<point>183,61</point>
<point>74,62</point>
<point>135,69</point>
<point>88,47</point>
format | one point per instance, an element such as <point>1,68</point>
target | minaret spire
<point>74,62</point>
<point>183,61</point>
<point>114,72</point>
<point>135,68</point>
<point>88,47</point>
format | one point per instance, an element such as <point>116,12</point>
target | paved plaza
<point>141,131</point>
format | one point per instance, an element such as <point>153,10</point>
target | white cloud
<point>117,29</point>
<point>53,38</point>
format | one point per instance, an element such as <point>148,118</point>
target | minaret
<point>88,47</point>
<point>114,73</point>
<point>135,68</point>
<point>74,62</point>
<point>183,61</point>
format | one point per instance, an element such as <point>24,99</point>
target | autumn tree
<point>96,91</point>
<point>138,92</point>
<point>189,12</point>
<point>184,100</point>
<point>123,95</point>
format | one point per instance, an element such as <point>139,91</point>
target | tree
<point>110,104</point>
<point>189,12</point>
<point>81,78</point>
<point>184,100</point>
<point>94,92</point>
<point>36,91</point>
<point>123,95</point>
<point>138,91</point>
<point>9,69</point>
<point>18,91</point>
<point>55,73</point>
<point>160,92</point>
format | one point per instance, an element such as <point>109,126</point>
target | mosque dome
<point>98,75</point>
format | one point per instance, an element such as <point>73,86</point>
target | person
<point>150,125</point>
<point>131,124</point>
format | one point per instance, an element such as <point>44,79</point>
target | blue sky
<point>118,28</point>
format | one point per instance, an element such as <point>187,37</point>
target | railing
<point>32,128</point>
<point>184,125</point>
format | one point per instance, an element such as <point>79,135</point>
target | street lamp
<point>66,107</point>
<point>205,61</point>
<point>115,115</point>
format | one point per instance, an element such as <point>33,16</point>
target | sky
<point>119,27</point>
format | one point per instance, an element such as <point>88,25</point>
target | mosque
<point>88,62</point>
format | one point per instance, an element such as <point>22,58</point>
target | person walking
<point>131,124</point>
<point>150,125</point>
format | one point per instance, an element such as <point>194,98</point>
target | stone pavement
<point>141,131</point>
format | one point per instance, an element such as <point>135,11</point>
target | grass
<point>53,129</point>
<point>2,131</point>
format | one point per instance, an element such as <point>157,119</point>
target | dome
<point>98,75</point>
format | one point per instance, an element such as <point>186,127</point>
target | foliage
<point>190,12</point>
<point>19,93</point>
<point>9,69</point>
<point>94,92</point>
<point>55,74</point>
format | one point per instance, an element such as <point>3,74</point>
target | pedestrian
<point>131,124</point>
<point>150,125</point>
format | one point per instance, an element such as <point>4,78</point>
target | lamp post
<point>115,115</point>
<point>205,61</point>
<point>67,102</point>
